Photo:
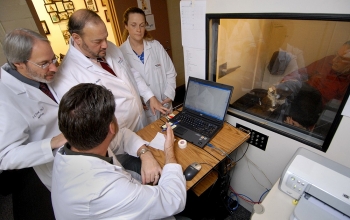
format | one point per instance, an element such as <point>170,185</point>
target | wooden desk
<point>228,139</point>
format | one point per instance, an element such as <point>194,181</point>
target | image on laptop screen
<point>210,100</point>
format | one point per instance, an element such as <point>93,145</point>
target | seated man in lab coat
<point>29,131</point>
<point>93,59</point>
<point>88,182</point>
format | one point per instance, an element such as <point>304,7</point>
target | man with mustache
<point>29,133</point>
<point>93,59</point>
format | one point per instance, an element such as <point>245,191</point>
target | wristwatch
<point>142,151</point>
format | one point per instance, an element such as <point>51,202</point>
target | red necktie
<point>45,89</point>
<point>105,66</point>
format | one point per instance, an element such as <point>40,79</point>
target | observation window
<point>290,72</point>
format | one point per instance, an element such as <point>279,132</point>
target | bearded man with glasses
<point>29,134</point>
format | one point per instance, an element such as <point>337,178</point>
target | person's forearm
<point>170,156</point>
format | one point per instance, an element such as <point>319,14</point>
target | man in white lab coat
<point>88,181</point>
<point>28,123</point>
<point>89,53</point>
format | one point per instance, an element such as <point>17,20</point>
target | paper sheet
<point>158,141</point>
<point>194,62</point>
<point>193,23</point>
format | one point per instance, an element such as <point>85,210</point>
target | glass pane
<point>291,73</point>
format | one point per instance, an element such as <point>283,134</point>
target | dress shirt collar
<point>22,78</point>
<point>68,151</point>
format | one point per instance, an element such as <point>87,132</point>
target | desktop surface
<point>228,139</point>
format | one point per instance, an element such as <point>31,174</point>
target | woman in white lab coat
<point>149,58</point>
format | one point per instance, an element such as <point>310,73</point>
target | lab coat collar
<point>18,87</point>
<point>146,49</point>
<point>79,58</point>
<point>22,78</point>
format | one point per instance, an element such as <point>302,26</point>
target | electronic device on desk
<point>204,111</point>
<point>321,185</point>
<point>192,170</point>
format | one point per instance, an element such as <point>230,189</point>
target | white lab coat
<point>76,68</point>
<point>157,71</point>
<point>28,122</point>
<point>86,187</point>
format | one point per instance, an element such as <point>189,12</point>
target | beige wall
<point>175,36</point>
<point>56,38</point>
<point>14,14</point>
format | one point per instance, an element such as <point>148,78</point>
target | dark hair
<point>79,19</point>
<point>18,45</point>
<point>147,36</point>
<point>306,106</point>
<point>84,115</point>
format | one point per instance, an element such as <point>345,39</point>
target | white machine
<point>321,185</point>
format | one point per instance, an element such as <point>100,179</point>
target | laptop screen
<point>207,97</point>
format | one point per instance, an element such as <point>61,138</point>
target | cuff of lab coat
<point>146,96</point>
<point>46,148</point>
<point>137,144</point>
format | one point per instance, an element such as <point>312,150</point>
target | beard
<point>37,77</point>
<point>91,53</point>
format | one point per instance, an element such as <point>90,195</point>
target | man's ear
<point>19,66</point>
<point>112,128</point>
<point>77,39</point>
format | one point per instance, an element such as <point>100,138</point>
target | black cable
<point>243,154</point>
<point>176,107</point>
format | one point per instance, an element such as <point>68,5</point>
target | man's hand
<point>150,169</point>
<point>169,145</point>
<point>156,105</point>
<point>58,141</point>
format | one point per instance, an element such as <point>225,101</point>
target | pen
<point>175,123</point>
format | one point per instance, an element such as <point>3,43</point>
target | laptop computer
<point>204,110</point>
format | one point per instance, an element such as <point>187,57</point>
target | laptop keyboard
<point>197,125</point>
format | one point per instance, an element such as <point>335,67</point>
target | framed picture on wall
<point>70,12</point>
<point>91,5</point>
<point>46,29</point>
<point>60,7</point>
<point>104,2</point>
<point>107,16</point>
<point>50,7</point>
<point>68,5</point>
<point>63,15</point>
<point>54,17</point>
<point>47,1</point>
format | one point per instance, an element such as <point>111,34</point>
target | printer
<point>320,186</point>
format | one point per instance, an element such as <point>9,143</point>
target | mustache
<point>50,74</point>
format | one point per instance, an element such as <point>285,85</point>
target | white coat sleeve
<point>127,200</point>
<point>16,151</point>
<point>126,141</point>
<point>144,90</point>
<point>170,72</point>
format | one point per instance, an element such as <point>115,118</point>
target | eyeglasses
<point>44,66</point>
<point>342,59</point>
